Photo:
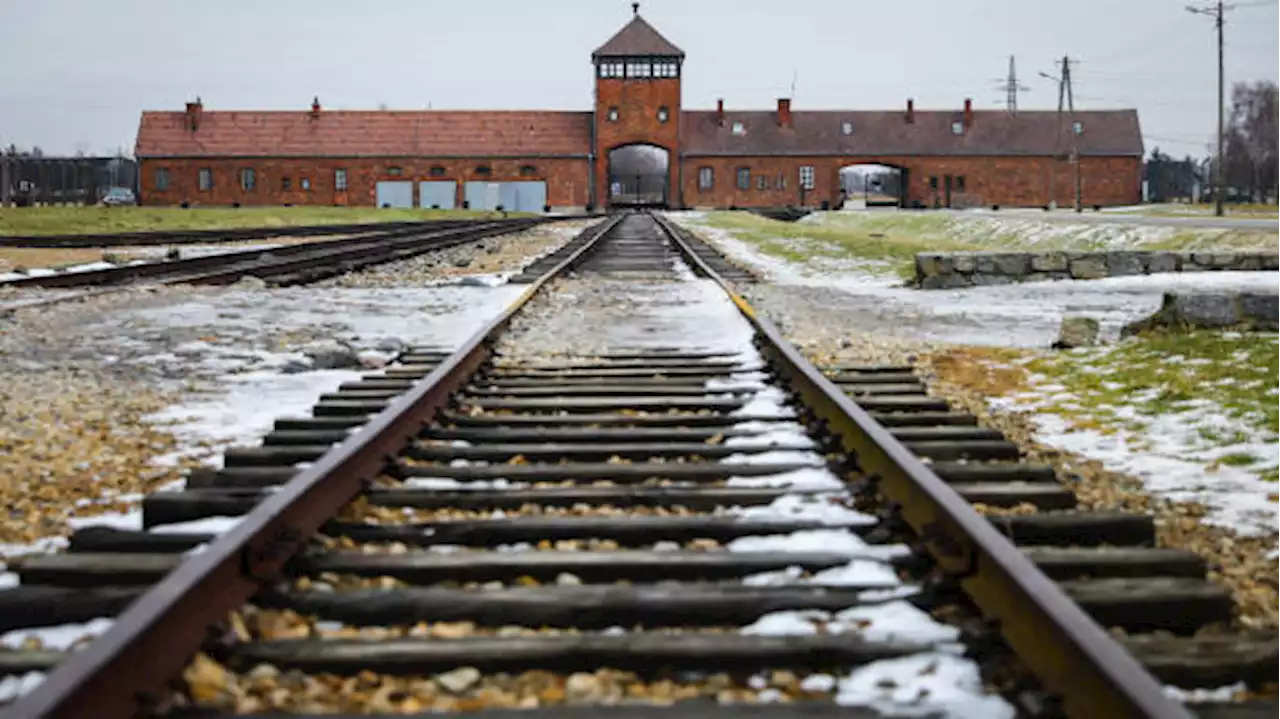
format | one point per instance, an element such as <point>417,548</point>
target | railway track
<point>290,264</point>
<point>691,515</point>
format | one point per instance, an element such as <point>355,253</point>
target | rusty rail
<point>1065,648</point>
<point>124,672</point>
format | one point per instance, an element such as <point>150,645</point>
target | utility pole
<point>1065,91</point>
<point>1217,12</point>
<point>1011,88</point>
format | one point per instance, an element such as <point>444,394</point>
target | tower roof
<point>638,38</point>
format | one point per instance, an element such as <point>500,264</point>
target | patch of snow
<point>934,684</point>
<point>888,622</point>
<point>451,483</point>
<point>805,478</point>
<point>58,638</point>
<point>824,508</point>
<point>206,525</point>
<point>1217,694</point>
<point>12,687</point>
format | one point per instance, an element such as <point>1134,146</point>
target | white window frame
<point>205,179</point>
<point>340,179</point>
<point>248,179</point>
<point>807,177</point>
<point>706,178</point>
<point>739,174</point>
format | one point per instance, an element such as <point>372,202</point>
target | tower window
<point>639,69</point>
<point>610,69</point>
<point>744,178</point>
<point>706,178</point>
<point>1077,128</point>
<point>663,114</point>
<point>205,178</point>
<point>613,114</point>
<point>666,69</point>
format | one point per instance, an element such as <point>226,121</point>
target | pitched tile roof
<point>366,133</point>
<point>637,38</point>
<point>1104,132</point>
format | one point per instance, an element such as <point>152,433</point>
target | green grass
<point>887,243</point>
<point>1201,378</point>
<point>1254,210</point>
<point>94,220</point>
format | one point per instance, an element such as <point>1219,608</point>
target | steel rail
<point>126,671</point>
<point>230,234</point>
<point>1063,647</point>
<point>392,238</point>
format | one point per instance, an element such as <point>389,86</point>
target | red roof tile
<point>1104,132</point>
<point>366,133</point>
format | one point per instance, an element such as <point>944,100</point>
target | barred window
<point>639,69</point>
<point>610,69</point>
<point>666,69</point>
<point>806,177</point>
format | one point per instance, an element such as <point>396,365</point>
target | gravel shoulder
<point>108,398</point>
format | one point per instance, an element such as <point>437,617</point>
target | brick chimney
<point>910,117</point>
<point>784,112</point>
<point>195,112</point>
<point>315,108</point>
<point>968,113</point>
<point>720,112</point>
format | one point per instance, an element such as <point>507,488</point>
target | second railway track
<point>687,513</point>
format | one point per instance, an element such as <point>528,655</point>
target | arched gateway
<point>638,176</point>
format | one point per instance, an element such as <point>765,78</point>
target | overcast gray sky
<point>74,74</point>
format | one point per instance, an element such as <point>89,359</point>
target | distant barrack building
<point>638,145</point>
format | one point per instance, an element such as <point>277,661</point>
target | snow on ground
<point>230,347</point>
<point>1019,315</point>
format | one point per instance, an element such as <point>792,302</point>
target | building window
<point>806,177</point>
<point>762,182</point>
<point>739,128</point>
<point>306,183</point>
<point>162,178</point>
<point>706,178</point>
<point>663,114</point>
<point>666,69</point>
<point>610,69</point>
<point>846,128</point>
<point>782,180</point>
<point>959,183</point>
<point>639,69</point>
<point>744,178</point>
<point>957,127</point>
<point>484,170</point>
<point>286,183</point>
<point>1077,128</point>
<point>933,183</point>
<point>613,114</point>
<point>339,179</point>
<point>395,171</point>
<point>436,171</point>
<point>528,171</point>
<point>248,179</point>
<point>206,179</point>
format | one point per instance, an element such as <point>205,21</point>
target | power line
<point>1011,88</point>
<point>1218,13</point>
<point>1065,88</point>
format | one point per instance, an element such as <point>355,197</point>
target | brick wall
<point>1009,181</point>
<point>566,179</point>
<point>638,102</point>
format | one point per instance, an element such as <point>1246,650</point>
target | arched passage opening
<point>873,185</point>
<point>639,175</point>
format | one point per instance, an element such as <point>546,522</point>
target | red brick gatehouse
<point>636,145</point>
